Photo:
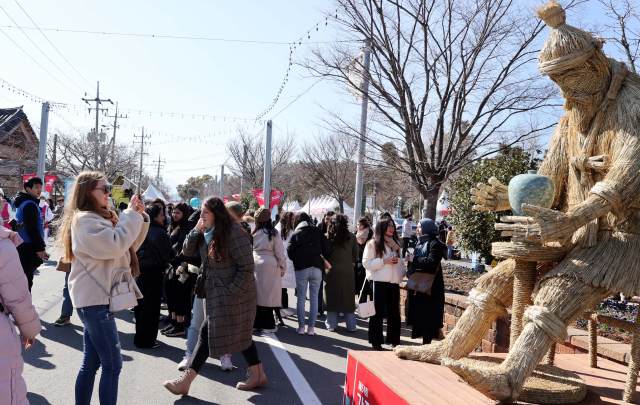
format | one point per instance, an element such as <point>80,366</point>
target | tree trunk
<point>341,202</point>
<point>431,202</point>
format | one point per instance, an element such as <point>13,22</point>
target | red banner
<point>236,197</point>
<point>362,387</point>
<point>225,200</point>
<point>275,197</point>
<point>49,179</point>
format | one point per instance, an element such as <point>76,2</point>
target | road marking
<point>304,391</point>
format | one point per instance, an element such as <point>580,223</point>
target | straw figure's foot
<point>428,353</point>
<point>492,382</point>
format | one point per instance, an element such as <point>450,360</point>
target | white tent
<point>292,206</point>
<point>443,207</point>
<point>151,193</point>
<point>320,205</point>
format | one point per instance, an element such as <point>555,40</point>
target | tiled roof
<point>10,119</point>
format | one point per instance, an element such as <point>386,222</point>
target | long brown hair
<point>379,235</point>
<point>286,223</point>
<point>80,199</point>
<point>218,248</point>
<point>338,231</point>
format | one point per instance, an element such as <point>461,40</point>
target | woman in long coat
<point>270,266</point>
<point>427,310</point>
<point>340,286</point>
<point>227,261</point>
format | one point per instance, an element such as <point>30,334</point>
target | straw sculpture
<point>594,161</point>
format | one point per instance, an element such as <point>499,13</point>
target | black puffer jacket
<point>307,246</point>
<point>156,249</point>
<point>177,241</point>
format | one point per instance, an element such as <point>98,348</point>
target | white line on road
<point>304,391</point>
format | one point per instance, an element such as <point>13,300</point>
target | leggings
<point>201,352</point>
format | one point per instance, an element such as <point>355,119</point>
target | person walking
<point>363,235</point>
<point>227,261</point>
<point>153,258</point>
<point>339,283</point>
<point>5,211</point>
<point>270,266</point>
<point>289,279</point>
<point>307,249</point>
<point>451,240</point>
<point>407,233</point>
<point>427,310</point>
<point>47,214</point>
<point>178,289</point>
<point>98,243</point>
<point>386,270</point>
<point>33,250</point>
<point>15,299</point>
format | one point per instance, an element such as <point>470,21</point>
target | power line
<point>54,47</point>
<point>41,51</point>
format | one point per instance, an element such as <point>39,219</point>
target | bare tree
<point>329,166</point>
<point>448,79</point>
<point>627,39</point>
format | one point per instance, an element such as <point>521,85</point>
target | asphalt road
<point>316,364</point>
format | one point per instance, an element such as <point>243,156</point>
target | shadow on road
<point>193,401</point>
<point>35,399</point>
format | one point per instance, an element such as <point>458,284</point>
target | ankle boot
<point>181,385</point>
<point>255,378</point>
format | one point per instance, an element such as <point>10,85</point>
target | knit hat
<point>235,208</point>
<point>567,47</point>
<point>262,215</point>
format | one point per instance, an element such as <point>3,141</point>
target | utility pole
<point>42,147</point>
<point>159,163</point>
<point>55,148</point>
<point>363,129</point>
<point>115,126</point>
<point>244,165</point>
<point>142,138</point>
<point>266,189</point>
<point>221,182</point>
<point>98,101</point>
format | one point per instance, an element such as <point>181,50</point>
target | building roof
<point>10,119</point>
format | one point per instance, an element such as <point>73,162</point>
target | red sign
<point>275,197</point>
<point>225,200</point>
<point>236,197</point>
<point>362,387</point>
<point>49,179</point>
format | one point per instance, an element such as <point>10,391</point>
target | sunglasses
<point>106,189</point>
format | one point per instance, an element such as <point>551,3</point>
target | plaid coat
<point>231,292</point>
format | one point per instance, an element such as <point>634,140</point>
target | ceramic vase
<point>530,188</point>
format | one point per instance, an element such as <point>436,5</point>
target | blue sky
<point>172,75</point>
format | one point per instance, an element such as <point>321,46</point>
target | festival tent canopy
<point>292,206</point>
<point>443,207</point>
<point>151,193</point>
<point>320,205</point>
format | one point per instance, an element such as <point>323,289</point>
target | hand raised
<point>494,198</point>
<point>199,226</point>
<point>545,226</point>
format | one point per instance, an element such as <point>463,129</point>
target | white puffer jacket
<point>377,270</point>
<point>289,278</point>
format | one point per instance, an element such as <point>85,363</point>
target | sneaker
<point>156,345</point>
<point>280,323</point>
<point>164,307</point>
<point>331,329</point>
<point>184,364</point>
<point>225,362</point>
<point>274,330</point>
<point>177,331</point>
<point>310,332</point>
<point>352,330</point>
<point>289,312</point>
<point>300,331</point>
<point>167,329</point>
<point>63,320</point>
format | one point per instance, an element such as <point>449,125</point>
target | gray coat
<point>231,292</point>
<point>340,285</point>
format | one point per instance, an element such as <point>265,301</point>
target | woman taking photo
<point>339,283</point>
<point>153,259</point>
<point>98,244</point>
<point>270,266</point>
<point>427,310</point>
<point>385,268</point>
<point>178,290</point>
<point>227,261</point>
<point>307,249</point>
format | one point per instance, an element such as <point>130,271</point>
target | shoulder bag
<point>367,309</point>
<point>422,282</point>
<point>123,294</point>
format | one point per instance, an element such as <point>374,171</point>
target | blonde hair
<point>80,199</point>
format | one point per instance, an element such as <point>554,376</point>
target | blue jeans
<point>101,348</point>
<point>311,276</point>
<point>332,320</point>
<point>196,323</point>
<point>449,251</point>
<point>67,306</point>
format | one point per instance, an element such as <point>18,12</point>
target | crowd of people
<point>224,273</point>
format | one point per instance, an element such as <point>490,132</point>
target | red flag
<point>275,197</point>
<point>259,194</point>
<point>225,200</point>
<point>236,197</point>
<point>27,177</point>
<point>49,179</point>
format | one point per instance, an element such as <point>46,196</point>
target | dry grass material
<point>546,385</point>
<point>528,252</point>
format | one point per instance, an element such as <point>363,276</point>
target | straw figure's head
<point>574,60</point>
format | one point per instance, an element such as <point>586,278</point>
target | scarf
<point>113,217</point>
<point>391,244</point>
<point>363,235</point>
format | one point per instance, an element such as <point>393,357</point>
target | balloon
<point>195,202</point>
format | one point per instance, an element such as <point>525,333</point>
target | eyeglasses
<point>106,189</point>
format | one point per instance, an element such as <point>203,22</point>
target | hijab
<point>429,230</point>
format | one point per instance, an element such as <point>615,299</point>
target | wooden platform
<point>387,380</point>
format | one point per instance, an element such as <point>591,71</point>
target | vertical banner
<point>49,179</point>
<point>27,177</point>
<point>259,195</point>
<point>225,200</point>
<point>236,197</point>
<point>275,197</point>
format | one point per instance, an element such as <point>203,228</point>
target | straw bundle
<point>494,198</point>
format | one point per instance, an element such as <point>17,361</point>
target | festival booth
<point>291,206</point>
<point>319,206</point>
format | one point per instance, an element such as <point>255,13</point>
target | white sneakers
<point>225,362</point>
<point>184,363</point>
<point>310,332</point>
<point>300,331</point>
<point>285,312</point>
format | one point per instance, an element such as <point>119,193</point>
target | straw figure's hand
<point>494,198</point>
<point>546,226</point>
